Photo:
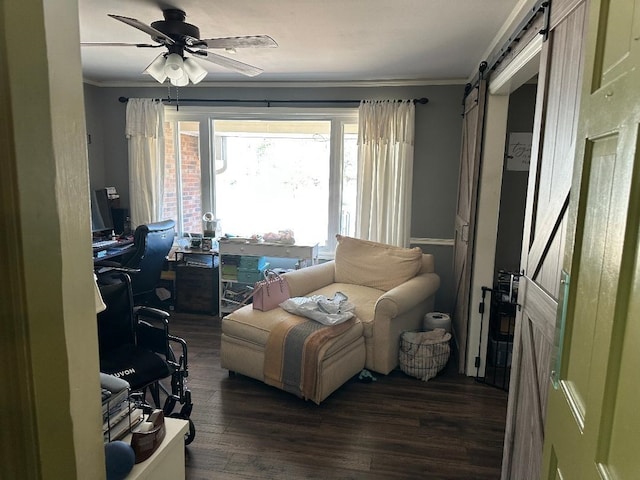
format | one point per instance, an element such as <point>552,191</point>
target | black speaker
<point>119,219</point>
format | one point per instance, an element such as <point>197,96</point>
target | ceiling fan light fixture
<point>156,69</point>
<point>194,70</point>
<point>174,67</point>
<point>182,81</point>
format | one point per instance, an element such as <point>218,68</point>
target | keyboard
<point>104,243</point>
<point>120,248</point>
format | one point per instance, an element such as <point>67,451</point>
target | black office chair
<point>152,243</point>
<point>135,345</point>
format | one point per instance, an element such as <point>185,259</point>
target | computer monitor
<point>101,219</point>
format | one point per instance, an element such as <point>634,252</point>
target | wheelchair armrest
<point>152,313</point>
<point>152,328</point>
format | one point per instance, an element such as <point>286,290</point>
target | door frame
<point>520,70</point>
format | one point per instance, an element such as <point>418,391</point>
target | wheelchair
<point>135,345</point>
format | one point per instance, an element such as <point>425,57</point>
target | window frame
<point>205,116</point>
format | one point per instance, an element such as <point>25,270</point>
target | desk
<point>167,462</point>
<point>123,247</point>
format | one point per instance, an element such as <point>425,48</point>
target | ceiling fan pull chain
<point>169,100</point>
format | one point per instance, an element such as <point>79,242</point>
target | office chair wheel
<point>191,432</point>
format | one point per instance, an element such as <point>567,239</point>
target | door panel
<point>544,238</point>
<point>550,272</point>
<point>466,212</point>
<point>542,250</point>
<point>594,250</point>
<point>621,397</point>
<point>540,306</point>
<point>591,429</point>
<point>617,43</point>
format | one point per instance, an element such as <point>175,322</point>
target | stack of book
<point>119,415</point>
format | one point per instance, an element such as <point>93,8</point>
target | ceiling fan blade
<point>117,44</point>
<point>244,68</point>
<point>154,61</point>
<point>239,42</point>
<point>157,35</point>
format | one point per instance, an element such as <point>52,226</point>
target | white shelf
<point>279,250</point>
<point>306,253</point>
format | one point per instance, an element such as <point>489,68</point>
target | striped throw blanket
<point>291,360</point>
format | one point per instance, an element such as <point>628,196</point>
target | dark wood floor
<point>397,427</point>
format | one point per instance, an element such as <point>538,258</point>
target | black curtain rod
<point>421,101</point>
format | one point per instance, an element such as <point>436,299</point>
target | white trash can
<point>435,320</point>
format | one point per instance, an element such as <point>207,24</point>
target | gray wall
<point>95,137</point>
<point>436,156</point>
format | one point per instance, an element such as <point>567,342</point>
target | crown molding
<point>301,84</point>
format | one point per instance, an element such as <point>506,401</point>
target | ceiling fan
<point>179,37</point>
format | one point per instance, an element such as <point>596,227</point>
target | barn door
<point>593,419</point>
<point>543,244</point>
<point>473,120</point>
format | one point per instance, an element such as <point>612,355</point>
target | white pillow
<point>376,265</point>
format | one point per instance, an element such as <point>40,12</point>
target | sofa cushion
<point>254,326</point>
<point>376,265</point>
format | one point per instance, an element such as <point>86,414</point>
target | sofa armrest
<point>306,280</point>
<point>405,296</point>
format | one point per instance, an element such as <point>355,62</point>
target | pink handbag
<point>270,292</point>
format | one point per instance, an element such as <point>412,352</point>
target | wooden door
<point>592,424</point>
<point>555,130</point>
<point>473,120</point>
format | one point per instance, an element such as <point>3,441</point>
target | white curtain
<point>145,123</point>
<point>385,171</point>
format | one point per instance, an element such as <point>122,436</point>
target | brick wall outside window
<point>191,198</point>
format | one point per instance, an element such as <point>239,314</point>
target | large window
<point>263,172</point>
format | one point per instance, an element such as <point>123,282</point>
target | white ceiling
<point>406,41</point>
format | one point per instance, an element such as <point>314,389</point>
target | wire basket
<point>424,354</point>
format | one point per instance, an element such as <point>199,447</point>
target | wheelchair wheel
<point>191,432</point>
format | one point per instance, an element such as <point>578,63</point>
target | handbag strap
<point>272,275</point>
<point>268,274</point>
<point>247,298</point>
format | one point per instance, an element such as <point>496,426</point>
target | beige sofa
<point>391,288</point>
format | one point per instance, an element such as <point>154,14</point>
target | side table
<point>197,280</point>
<point>167,462</point>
